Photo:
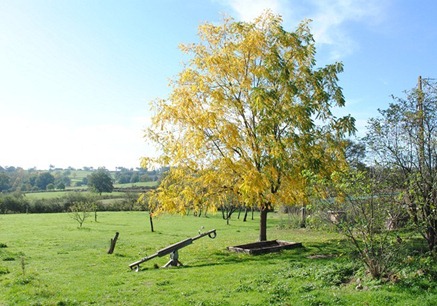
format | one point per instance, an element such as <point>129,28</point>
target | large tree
<point>44,179</point>
<point>246,115</point>
<point>100,181</point>
<point>5,182</point>
<point>404,139</point>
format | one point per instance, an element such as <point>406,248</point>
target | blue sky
<point>77,76</point>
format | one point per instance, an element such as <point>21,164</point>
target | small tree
<point>361,205</point>
<point>147,201</point>
<point>80,211</point>
<point>100,181</point>
<point>404,138</point>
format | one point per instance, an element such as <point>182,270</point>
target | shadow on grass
<point>415,245</point>
<point>311,252</point>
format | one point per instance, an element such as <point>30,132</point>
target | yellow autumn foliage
<point>248,113</point>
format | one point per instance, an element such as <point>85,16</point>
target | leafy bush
<point>14,203</point>
<point>46,206</point>
<point>359,204</point>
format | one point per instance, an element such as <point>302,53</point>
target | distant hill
<point>14,179</point>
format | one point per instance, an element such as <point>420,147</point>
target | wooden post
<point>303,216</point>
<point>113,242</point>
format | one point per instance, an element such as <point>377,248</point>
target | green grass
<point>78,175</point>
<point>46,194</point>
<point>60,194</point>
<point>46,260</point>
<point>138,184</point>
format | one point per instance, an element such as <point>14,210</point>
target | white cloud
<point>331,18</point>
<point>247,10</point>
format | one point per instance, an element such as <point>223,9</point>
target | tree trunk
<point>151,222</point>
<point>263,224</point>
<point>303,216</point>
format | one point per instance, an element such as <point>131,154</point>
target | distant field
<point>78,175</point>
<point>139,184</point>
<point>127,185</point>
<point>46,194</point>
<point>58,194</point>
<point>45,259</point>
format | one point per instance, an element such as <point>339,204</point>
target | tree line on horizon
<point>16,179</point>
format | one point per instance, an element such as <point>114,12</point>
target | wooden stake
<point>113,242</point>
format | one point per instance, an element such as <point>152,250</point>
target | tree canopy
<point>100,181</point>
<point>247,114</point>
<point>44,179</point>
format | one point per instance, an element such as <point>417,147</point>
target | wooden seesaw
<point>173,251</point>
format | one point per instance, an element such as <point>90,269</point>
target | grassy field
<point>45,259</point>
<point>58,194</point>
<point>78,175</point>
<point>138,184</point>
